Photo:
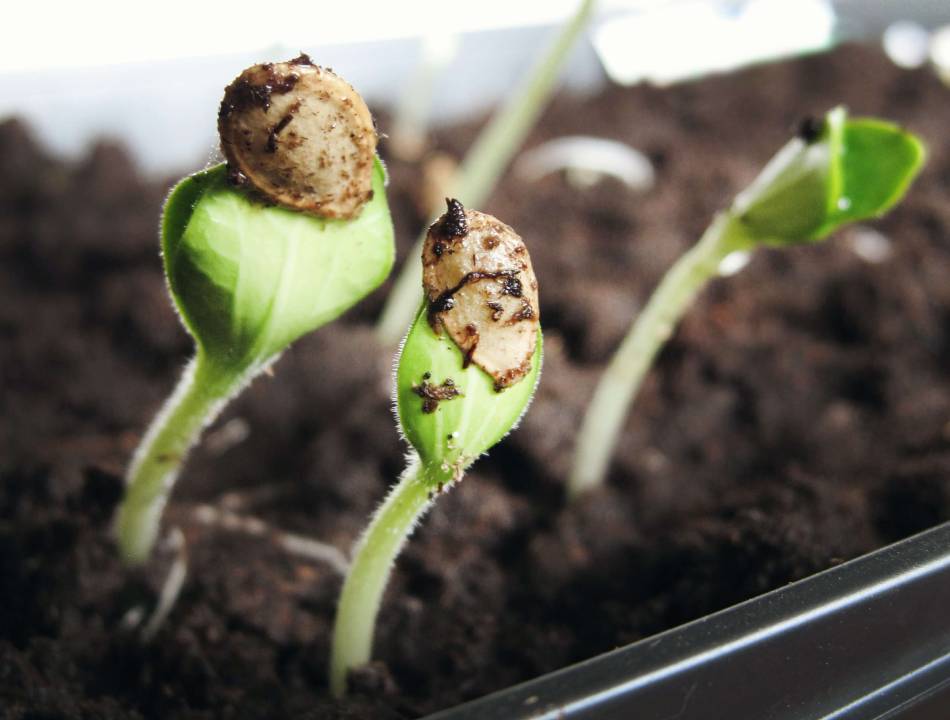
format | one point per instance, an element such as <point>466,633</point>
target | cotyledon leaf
<point>249,278</point>
<point>452,435</point>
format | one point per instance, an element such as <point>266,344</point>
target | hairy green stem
<point>363,589</point>
<point>484,163</point>
<point>618,385</point>
<point>202,392</point>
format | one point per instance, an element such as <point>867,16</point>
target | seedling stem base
<point>622,378</point>
<point>202,393</point>
<point>373,559</point>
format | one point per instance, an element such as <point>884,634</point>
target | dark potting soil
<point>799,417</point>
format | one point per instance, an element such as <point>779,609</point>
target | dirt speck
<point>433,394</point>
<point>453,223</point>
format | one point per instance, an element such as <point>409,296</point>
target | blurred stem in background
<point>408,135</point>
<point>484,163</point>
<point>837,171</point>
<point>621,380</point>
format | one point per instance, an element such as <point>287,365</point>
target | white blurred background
<point>151,74</point>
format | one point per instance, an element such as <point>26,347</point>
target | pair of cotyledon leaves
<point>250,278</point>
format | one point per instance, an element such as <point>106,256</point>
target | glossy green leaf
<point>460,429</point>
<point>854,170</point>
<point>250,278</point>
<point>878,163</point>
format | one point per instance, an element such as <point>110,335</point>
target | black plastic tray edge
<point>868,639</point>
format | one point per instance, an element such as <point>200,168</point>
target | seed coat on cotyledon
<point>248,272</point>
<point>301,136</point>
<point>481,290</point>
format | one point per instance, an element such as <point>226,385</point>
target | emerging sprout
<point>249,277</point>
<point>837,171</point>
<point>458,392</point>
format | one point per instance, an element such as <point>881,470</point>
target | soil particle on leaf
<point>433,394</point>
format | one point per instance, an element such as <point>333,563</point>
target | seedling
<point>836,171</point>
<point>466,373</point>
<point>291,232</point>
<point>485,161</point>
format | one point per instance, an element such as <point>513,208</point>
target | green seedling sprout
<point>484,163</point>
<point>259,252</point>
<point>466,373</point>
<point>837,171</point>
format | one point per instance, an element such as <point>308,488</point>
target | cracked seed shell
<point>482,291</point>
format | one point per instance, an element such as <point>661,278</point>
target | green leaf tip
<point>837,171</point>
<point>449,412</point>
<point>250,278</point>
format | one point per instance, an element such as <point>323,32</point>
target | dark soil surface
<point>800,417</point>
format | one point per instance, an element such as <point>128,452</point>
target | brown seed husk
<point>299,135</point>
<point>482,291</point>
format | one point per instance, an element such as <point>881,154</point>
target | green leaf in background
<point>850,171</point>
<point>878,162</point>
